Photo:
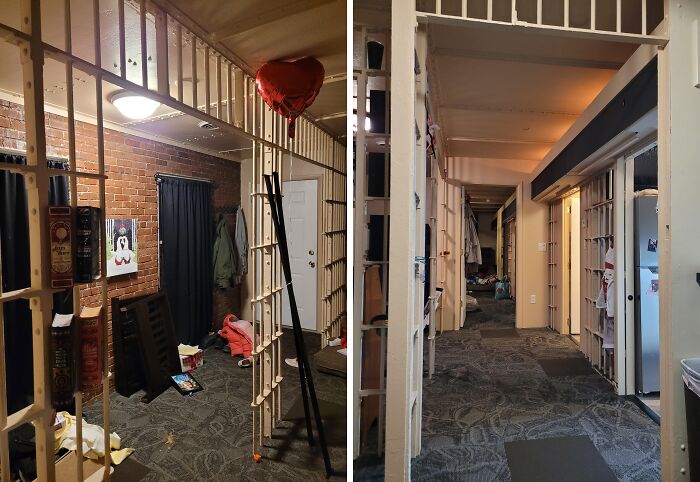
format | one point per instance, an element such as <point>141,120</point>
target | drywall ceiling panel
<point>522,126</point>
<point>502,85</point>
<point>495,150</point>
<point>512,94</point>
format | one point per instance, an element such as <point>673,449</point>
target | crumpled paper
<point>93,440</point>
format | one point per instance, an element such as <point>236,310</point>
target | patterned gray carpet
<point>489,391</point>
<point>212,429</point>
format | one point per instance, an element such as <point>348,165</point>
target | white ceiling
<point>512,95</point>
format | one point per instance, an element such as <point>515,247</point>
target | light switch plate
<point>533,299</point>
<point>542,247</point>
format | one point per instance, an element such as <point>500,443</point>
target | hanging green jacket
<point>224,256</point>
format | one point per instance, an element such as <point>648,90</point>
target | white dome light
<point>134,106</point>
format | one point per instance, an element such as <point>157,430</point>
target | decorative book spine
<point>61,246</point>
<point>87,253</point>
<point>63,366</point>
<point>90,349</point>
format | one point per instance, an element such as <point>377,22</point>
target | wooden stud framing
<point>219,114</point>
<point>597,229</point>
<point>162,53</point>
<point>267,299</point>
<point>230,95</point>
<point>180,90</point>
<point>360,238</point>
<point>434,298</point>
<point>207,82</point>
<point>554,266</point>
<point>144,48</point>
<point>122,40</point>
<point>402,274</point>
<point>247,116</point>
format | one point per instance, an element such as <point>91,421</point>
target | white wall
<point>531,277</point>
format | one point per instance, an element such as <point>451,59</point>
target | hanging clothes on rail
<point>240,245</point>
<point>472,248</point>
<point>225,258</point>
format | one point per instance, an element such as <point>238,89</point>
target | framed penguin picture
<point>122,247</point>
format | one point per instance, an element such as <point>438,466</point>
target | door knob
<point>630,297</point>
<point>312,264</point>
<point>311,252</point>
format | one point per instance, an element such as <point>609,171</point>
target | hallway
<point>488,391</point>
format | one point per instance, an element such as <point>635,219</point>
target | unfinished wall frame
<point>597,233</point>
<point>369,142</point>
<point>554,265</point>
<point>237,109</point>
<point>39,294</point>
<point>405,342</point>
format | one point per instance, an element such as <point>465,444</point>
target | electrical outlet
<point>533,299</point>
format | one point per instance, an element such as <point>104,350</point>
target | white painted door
<point>300,219</point>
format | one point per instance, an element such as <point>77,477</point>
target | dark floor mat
<point>130,470</point>
<point>574,459</point>
<point>334,416</point>
<point>566,367</point>
<point>500,333</point>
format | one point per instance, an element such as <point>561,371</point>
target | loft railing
<point>624,20</point>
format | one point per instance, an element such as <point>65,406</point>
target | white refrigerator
<point>646,293</point>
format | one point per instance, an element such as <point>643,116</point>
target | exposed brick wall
<point>131,164</point>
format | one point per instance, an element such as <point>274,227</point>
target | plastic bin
<point>691,378</point>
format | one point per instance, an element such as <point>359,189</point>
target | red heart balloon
<point>290,87</point>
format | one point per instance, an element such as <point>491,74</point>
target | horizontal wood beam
<point>486,109</point>
<point>501,140</point>
<point>527,59</point>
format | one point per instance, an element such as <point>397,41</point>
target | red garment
<point>238,341</point>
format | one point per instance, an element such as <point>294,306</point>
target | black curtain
<point>14,239</point>
<point>186,273</point>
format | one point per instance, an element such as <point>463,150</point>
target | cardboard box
<point>189,363</point>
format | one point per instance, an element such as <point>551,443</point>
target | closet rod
<point>187,178</point>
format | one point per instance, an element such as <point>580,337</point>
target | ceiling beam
<point>331,79</point>
<point>501,141</point>
<point>336,115</point>
<point>264,17</point>
<point>483,109</point>
<point>527,59</point>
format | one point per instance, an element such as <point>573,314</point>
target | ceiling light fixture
<point>133,106</point>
